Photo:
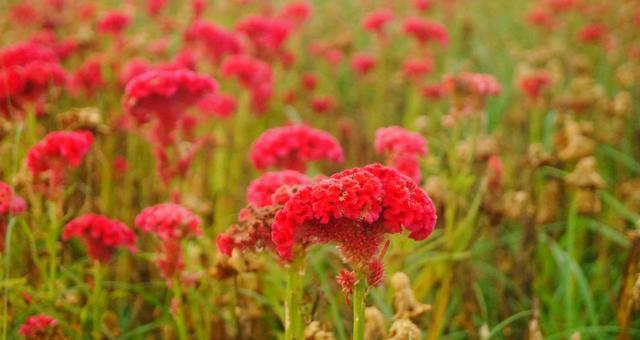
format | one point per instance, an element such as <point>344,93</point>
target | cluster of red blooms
<point>38,327</point>
<point>10,204</point>
<point>171,223</point>
<point>354,209</point>
<point>260,191</point>
<point>255,76</point>
<point>54,154</point>
<point>292,147</point>
<point>218,105</point>
<point>101,235</point>
<point>114,22</point>
<point>534,84</point>
<point>163,96</point>
<point>296,13</point>
<point>376,21</point>
<point>215,40</point>
<point>266,35</point>
<point>417,68</point>
<point>363,63</point>
<point>27,70</point>
<point>402,148</point>
<point>425,31</point>
<point>87,79</point>
<point>593,33</point>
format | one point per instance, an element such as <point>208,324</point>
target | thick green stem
<point>97,300</point>
<point>295,286</point>
<point>178,314</point>
<point>359,295</point>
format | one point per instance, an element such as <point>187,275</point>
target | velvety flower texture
<point>101,235</point>
<point>38,327</point>
<point>292,147</point>
<point>57,152</point>
<point>354,209</point>
<point>403,149</point>
<point>425,31</point>
<point>171,223</point>
<point>260,191</point>
<point>27,70</point>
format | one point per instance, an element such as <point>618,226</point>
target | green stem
<point>179,313</point>
<point>295,286</point>
<point>359,295</point>
<point>7,267</point>
<point>97,300</point>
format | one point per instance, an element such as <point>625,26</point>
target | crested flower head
<point>296,13</point>
<point>292,147</point>
<point>254,75</point>
<point>377,20</point>
<point>425,31</point>
<point>216,41</point>
<point>101,235</point>
<point>27,70</point>
<point>165,94</point>
<point>354,209</point>
<point>114,22</point>
<point>218,105</point>
<point>260,192</point>
<point>402,149</point>
<point>39,326</point>
<point>267,35</point>
<point>363,63</point>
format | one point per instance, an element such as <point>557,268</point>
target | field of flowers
<point>314,169</point>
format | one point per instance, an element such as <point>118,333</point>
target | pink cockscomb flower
<point>296,13</point>
<point>534,84</point>
<point>154,7</point>
<point>216,41</point>
<point>10,204</point>
<point>255,76</point>
<point>87,79</point>
<point>354,209</point>
<point>422,5</point>
<point>101,235</point>
<point>292,147</point>
<point>114,22</point>
<point>38,327</point>
<point>323,104</point>
<point>260,192</point>
<point>218,105</point>
<point>417,68</point>
<point>402,148</point>
<point>57,152</point>
<point>267,35</point>
<point>171,223</point>
<point>425,31</point>
<point>376,21</point>
<point>27,71</point>
<point>363,63</point>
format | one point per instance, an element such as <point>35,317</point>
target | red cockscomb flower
<point>292,147</point>
<point>114,22</point>
<point>154,7</point>
<point>417,68</point>
<point>218,105</point>
<point>541,17</point>
<point>534,84</point>
<point>422,5</point>
<point>260,191</point>
<point>433,91</point>
<point>403,148</point>
<point>296,12</point>
<point>27,70</point>
<point>101,235</point>
<point>363,63</point>
<point>216,41</point>
<point>171,223</point>
<point>165,95</point>
<point>309,81</point>
<point>10,204</point>
<point>354,209</point>
<point>38,327</point>
<point>87,78</point>
<point>57,152</point>
<point>323,104</point>
<point>255,75</point>
<point>425,31</point>
<point>592,33</point>
<point>377,20</point>
<point>267,35</point>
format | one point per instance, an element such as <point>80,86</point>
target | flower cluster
<point>88,78</point>
<point>296,13</point>
<point>292,147</point>
<point>255,75</point>
<point>171,223</point>
<point>425,31</point>
<point>354,209</point>
<point>251,233</point>
<point>101,235</point>
<point>218,105</point>
<point>114,22</point>
<point>377,20</point>
<point>403,149</point>
<point>267,35</point>
<point>260,191</point>
<point>39,326</point>
<point>55,153</point>
<point>27,70</point>
<point>216,41</point>
<point>10,204</point>
<point>363,63</point>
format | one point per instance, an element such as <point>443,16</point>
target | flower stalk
<point>359,295</point>
<point>295,288</point>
